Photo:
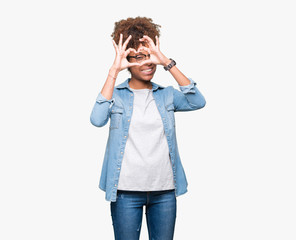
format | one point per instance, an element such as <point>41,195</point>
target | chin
<point>145,78</point>
<point>148,77</point>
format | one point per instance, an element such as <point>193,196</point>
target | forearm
<point>177,74</point>
<point>190,98</point>
<point>100,113</point>
<point>107,90</point>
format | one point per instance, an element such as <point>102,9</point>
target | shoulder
<point>161,87</point>
<point>166,89</point>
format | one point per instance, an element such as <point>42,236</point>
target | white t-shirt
<point>146,164</point>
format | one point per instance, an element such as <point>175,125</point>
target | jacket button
<point>128,120</point>
<point>125,136</point>
<point>121,152</point>
<point>118,168</point>
<point>115,185</point>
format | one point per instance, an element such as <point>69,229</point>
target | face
<point>144,72</point>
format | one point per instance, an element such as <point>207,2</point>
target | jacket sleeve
<point>101,111</point>
<point>189,98</point>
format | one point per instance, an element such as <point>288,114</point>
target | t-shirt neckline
<point>139,90</point>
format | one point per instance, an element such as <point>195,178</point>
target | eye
<point>140,57</point>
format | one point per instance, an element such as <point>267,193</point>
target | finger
<point>127,52</point>
<point>134,64</point>
<point>149,40</point>
<point>126,42</point>
<point>115,46</point>
<point>145,42</point>
<point>120,41</point>
<point>157,42</point>
<point>146,62</point>
<point>145,49</point>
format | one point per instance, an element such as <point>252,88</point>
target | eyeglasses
<point>139,58</point>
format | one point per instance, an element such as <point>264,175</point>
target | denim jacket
<point>120,108</point>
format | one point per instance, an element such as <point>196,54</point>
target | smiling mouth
<point>149,70</point>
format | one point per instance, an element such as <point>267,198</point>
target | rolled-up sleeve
<point>189,98</point>
<point>101,99</point>
<point>101,111</point>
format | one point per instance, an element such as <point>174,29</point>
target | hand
<point>120,61</point>
<point>156,56</point>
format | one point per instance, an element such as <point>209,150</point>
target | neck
<point>140,84</point>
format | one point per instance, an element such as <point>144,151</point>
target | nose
<point>148,64</point>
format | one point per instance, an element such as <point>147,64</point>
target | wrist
<point>166,62</point>
<point>170,65</point>
<point>113,71</point>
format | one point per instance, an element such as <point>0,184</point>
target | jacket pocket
<point>115,117</point>
<point>171,113</point>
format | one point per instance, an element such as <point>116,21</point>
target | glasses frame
<point>141,54</point>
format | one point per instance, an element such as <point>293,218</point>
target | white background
<point>237,152</point>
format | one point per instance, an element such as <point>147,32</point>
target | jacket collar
<point>126,85</point>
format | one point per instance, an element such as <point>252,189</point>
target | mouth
<point>147,70</point>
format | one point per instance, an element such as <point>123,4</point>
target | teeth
<point>148,70</point>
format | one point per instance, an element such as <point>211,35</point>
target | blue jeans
<point>127,212</point>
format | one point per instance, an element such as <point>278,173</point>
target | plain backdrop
<point>238,152</point>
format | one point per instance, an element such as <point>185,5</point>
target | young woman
<point>142,166</point>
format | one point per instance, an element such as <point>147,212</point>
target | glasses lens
<point>140,57</point>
